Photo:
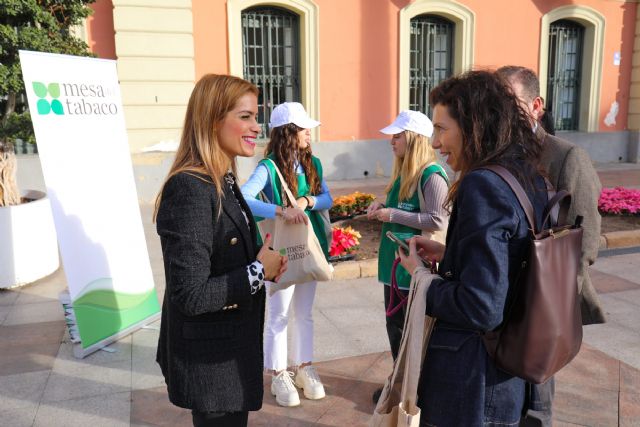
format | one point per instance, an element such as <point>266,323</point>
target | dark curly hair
<point>494,127</point>
<point>283,143</point>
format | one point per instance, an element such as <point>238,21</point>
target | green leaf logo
<point>43,107</point>
<point>283,251</point>
<point>40,89</point>
<point>56,107</point>
<point>54,90</point>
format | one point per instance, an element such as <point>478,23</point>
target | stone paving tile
<point>348,366</point>
<point>47,311</point>
<point>101,373</point>
<point>29,347</point>
<point>590,406</point>
<point>151,407</point>
<point>591,368</point>
<point>606,283</point>
<point>629,396</point>
<point>96,411</point>
<point>47,288</point>
<point>23,417</point>
<point>8,297</point>
<point>145,372</point>
<point>22,390</point>
<point>624,266</point>
<point>4,312</point>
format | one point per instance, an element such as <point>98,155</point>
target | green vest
<point>387,251</point>
<point>303,190</point>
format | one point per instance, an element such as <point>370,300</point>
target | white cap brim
<point>391,130</point>
<point>306,123</point>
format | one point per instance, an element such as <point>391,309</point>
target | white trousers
<point>279,305</point>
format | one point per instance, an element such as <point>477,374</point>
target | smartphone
<point>400,242</point>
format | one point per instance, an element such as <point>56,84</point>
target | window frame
<point>463,41</point>
<point>308,13</point>
<point>593,49</point>
<point>432,20</point>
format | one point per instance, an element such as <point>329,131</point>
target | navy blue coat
<point>486,241</point>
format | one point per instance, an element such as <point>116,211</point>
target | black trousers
<point>220,419</point>
<point>395,323</point>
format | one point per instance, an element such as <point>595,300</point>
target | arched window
<point>577,29</point>
<point>431,58</point>
<point>442,32</point>
<point>564,75</point>
<point>271,57</point>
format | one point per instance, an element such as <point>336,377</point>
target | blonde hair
<point>417,154</point>
<point>199,150</point>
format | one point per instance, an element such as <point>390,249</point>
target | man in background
<point>569,168</point>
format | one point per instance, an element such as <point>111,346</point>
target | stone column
<point>155,51</point>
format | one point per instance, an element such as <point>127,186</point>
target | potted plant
<point>29,247</point>
<point>28,243</point>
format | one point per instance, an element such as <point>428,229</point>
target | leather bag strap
<point>508,177</point>
<point>562,199</point>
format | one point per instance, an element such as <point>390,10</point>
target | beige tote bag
<point>306,261</point>
<point>397,404</point>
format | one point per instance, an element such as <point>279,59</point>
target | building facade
<point>355,63</point>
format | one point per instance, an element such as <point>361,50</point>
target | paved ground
<point>42,384</point>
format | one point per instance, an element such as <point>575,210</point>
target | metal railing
<point>270,44</point>
<point>431,58</point>
<point>566,40</point>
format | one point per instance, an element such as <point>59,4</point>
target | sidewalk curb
<point>620,239</point>
<point>369,267</point>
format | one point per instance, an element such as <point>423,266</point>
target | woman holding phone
<point>415,170</point>
<point>487,237</point>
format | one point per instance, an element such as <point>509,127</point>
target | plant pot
<point>28,242</point>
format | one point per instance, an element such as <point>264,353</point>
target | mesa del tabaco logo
<point>74,99</point>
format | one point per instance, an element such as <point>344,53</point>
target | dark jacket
<point>486,241</point>
<point>210,345</point>
<point>570,168</point>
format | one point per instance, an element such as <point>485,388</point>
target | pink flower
<point>619,200</point>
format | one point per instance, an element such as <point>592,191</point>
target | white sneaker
<point>283,389</point>
<point>308,380</point>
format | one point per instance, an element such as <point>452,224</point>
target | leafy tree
<point>38,25</point>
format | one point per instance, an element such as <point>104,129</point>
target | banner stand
<point>81,353</point>
<point>79,125</point>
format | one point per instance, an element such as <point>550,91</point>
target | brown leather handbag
<point>542,328</point>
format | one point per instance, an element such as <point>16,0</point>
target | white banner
<point>77,115</point>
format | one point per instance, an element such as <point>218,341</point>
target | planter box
<point>28,241</point>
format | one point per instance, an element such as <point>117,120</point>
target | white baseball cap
<point>414,121</point>
<point>291,112</point>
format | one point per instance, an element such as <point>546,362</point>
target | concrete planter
<point>28,241</point>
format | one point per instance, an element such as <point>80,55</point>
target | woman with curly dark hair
<point>478,122</point>
<point>289,150</point>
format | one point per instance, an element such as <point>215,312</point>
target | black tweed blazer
<point>210,345</point>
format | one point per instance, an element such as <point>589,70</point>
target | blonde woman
<point>210,344</point>
<point>414,169</point>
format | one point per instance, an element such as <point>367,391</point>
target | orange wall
<point>100,32</point>
<point>516,34</point>
<point>358,68</point>
<point>359,58</point>
<point>210,37</point>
